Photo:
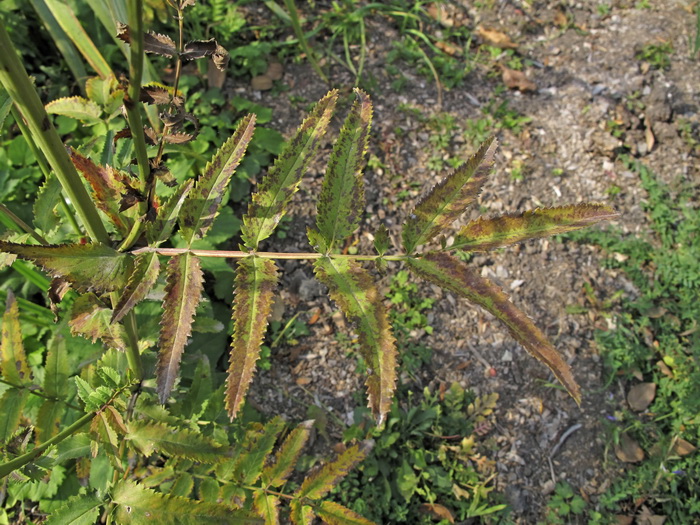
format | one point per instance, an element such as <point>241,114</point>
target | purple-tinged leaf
<point>183,289</point>
<point>352,288</point>
<point>86,266</point>
<point>142,279</point>
<point>487,234</point>
<point>203,203</point>
<point>91,319</point>
<point>155,93</point>
<point>152,42</point>
<point>255,284</point>
<point>150,436</point>
<point>453,275</point>
<point>276,474</point>
<point>220,58</point>
<point>199,49</point>
<point>449,198</point>
<point>267,507</point>
<point>301,514</point>
<point>320,483</point>
<point>334,513</point>
<point>160,230</point>
<point>259,441</point>
<point>342,198</point>
<point>269,203</point>
<point>14,367</point>
<point>107,188</point>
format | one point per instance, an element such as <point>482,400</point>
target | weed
<point>657,55</point>
<point>564,505</point>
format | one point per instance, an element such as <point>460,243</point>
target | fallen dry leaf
<point>683,447</point>
<point>665,370</point>
<point>261,83</point>
<point>440,13</point>
<point>646,517</point>
<point>449,48</point>
<point>437,510</point>
<point>624,520</point>
<point>303,381</point>
<point>517,80</point>
<point>628,450</point>
<point>496,38</point>
<point>649,138</point>
<point>640,396</point>
<point>560,18</point>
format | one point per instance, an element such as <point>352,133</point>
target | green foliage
<point>657,55</point>
<point>656,339</point>
<point>426,459</point>
<point>564,505</point>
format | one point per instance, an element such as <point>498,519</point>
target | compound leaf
<point>255,283</point>
<point>139,505</point>
<point>78,108</point>
<point>202,205</point>
<point>336,514</point>
<point>341,202</point>
<point>322,482</point>
<point>86,266</point>
<point>487,234</point>
<point>14,367</point>
<point>352,288</point>
<point>151,435</point>
<point>141,280</point>
<point>183,288</point>
<point>159,231</point>
<point>448,199</point>
<point>78,510</point>
<point>275,191</point>
<point>275,475</point>
<point>453,275</point>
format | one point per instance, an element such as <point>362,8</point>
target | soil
<point>587,74</point>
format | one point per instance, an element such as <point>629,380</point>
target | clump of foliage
<point>656,341</point>
<point>426,462</point>
<point>136,236</point>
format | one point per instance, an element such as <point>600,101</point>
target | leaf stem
<point>235,254</point>
<point>20,225</point>
<point>37,391</point>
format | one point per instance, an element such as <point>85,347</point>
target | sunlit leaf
<point>150,436</point>
<point>275,474</point>
<point>322,481</point>
<point>267,507</point>
<point>341,202</point>
<point>301,514</point>
<point>78,108</point>
<point>202,205</point>
<point>453,275</point>
<point>256,280</point>
<point>142,279</point>
<point>91,318</point>
<point>77,510</point>
<point>14,367</point>
<point>351,286</point>
<point>449,198</point>
<point>486,234</point>
<point>336,514</point>
<point>183,289</point>
<point>268,204</point>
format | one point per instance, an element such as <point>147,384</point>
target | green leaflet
<point>159,231</point>
<point>486,234</point>
<point>255,284</point>
<point>267,507</point>
<point>11,406</point>
<point>322,482</point>
<point>453,275</point>
<point>202,205</point>
<point>183,288</point>
<point>48,419</point>
<point>275,191</point>
<point>352,288</point>
<point>78,510</point>
<point>259,441</point>
<point>448,199</point>
<point>275,475</point>
<point>300,514</point>
<point>49,196</point>
<point>335,514</point>
<point>141,280</point>
<point>107,188</point>
<point>86,266</point>
<point>138,505</point>
<point>341,202</point>
<point>91,319</point>
<point>5,105</point>
<point>57,369</point>
<point>14,367</point>
<point>152,436</point>
<point>78,108</point>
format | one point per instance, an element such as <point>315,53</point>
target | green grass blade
<point>341,202</point>
<point>276,189</point>
<point>449,198</point>
<point>352,288</point>
<point>487,234</point>
<point>453,275</point>
<point>256,280</point>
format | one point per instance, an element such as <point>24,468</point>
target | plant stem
<point>233,254</point>
<point>14,78</point>
<point>296,25</point>
<point>36,390</point>
<point>20,225</point>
